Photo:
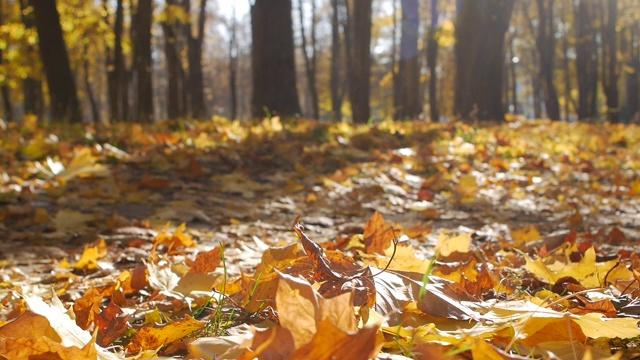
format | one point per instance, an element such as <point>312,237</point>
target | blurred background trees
<point>355,60</point>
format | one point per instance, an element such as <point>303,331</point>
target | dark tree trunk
<point>610,69</point>
<point>568,99</point>
<point>310,60</point>
<point>586,60</point>
<point>174,96</point>
<point>143,61</point>
<point>32,85</point>
<point>95,110</point>
<point>409,105</point>
<point>633,77</point>
<point>546,44</point>
<point>120,93</point>
<point>336,62</point>
<point>480,26</point>
<point>360,69</point>
<point>196,82</point>
<point>512,77</point>
<point>233,68</point>
<point>273,61</point>
<point>393,64</point>
<point>55,61</point>
<point>432,56</point>
<point>4,88</point>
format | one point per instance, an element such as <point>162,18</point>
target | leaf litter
<point>416,241</point>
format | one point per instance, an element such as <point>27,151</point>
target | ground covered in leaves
<point>415,240</point>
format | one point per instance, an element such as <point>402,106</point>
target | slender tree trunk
<point>586,60</point>
<point>4,88</point>
<point>273,61</point>
<point>408,104</point>
<point>633,77</point>
<point>233,67</point>
<point>143,61</point>
<point>198,108</point>
<point>394,60</point>
<point>310,60</point>
<point>32,85</point>
<point>546,44</point>
<point>481,25</point>
<point>336,61</point>
<point>174,97</point>
<point>360,69</point>
<point>95,110</point>
<point>512,71</point>
<point>610,69</point>
<point>120,93</point>
<point>432,57</point>
<point>568,99</point>
<point>55,61</point>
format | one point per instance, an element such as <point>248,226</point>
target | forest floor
<point>515,239</point>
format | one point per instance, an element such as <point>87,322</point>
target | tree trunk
<point>55,61</point>
<point>310,60</point>
<point>336,61</point>
<point>408,105</point>
<point>196,82</point>
<point>393,64</point>
<point>513,84</point>
<point>610,70</point>
<point>95,111</point>
<point>586,60</point>
<point>546,44</point>
<point>360,69</point>
<point>633,77</point>
<point>32,85</point>
<point>233,67</point>
<point>480,26</point>
<point>121,98</point>
<point>174,97</point>
<point>4,88</point>
<point>143,61</point>
<point>432,56</point>
<point>274,70</point>
<point>568,99</point>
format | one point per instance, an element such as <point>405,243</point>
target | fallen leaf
<point>152,338</point>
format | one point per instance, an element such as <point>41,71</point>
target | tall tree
<point>55,61</point>
<point>272,58</point>
<point>117,87</point>
<point>233,66</point>
<point>336,61</point>
<point>310,61</point>
<point>4,87</point>
<point>408,103</point>
<point>175,88</point>
<point>631,43</point>
<point>610,68</point>
<point>586,59</point>
<point>359,18</point>
<point>432,56</point>
<point>32,84</point>
<point>143,60</point>
<point>546,44</point>
<point>196,81</point>
<point>480,26</point>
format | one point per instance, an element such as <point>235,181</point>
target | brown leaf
<point>44,348</point>
<point>87,307</point>
<point>206,262</point>
<point>111,324</point>
<point>378,235</point>
<point>272,344</point>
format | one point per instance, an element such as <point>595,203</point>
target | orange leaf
<point>206,262</point>
<point>87,307</point>
<point>111,324</point>
<point>378,235</point>
<point>176,239</point>
<point>152,338</point>
<point>29,325</point>
<point>330,342</point>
